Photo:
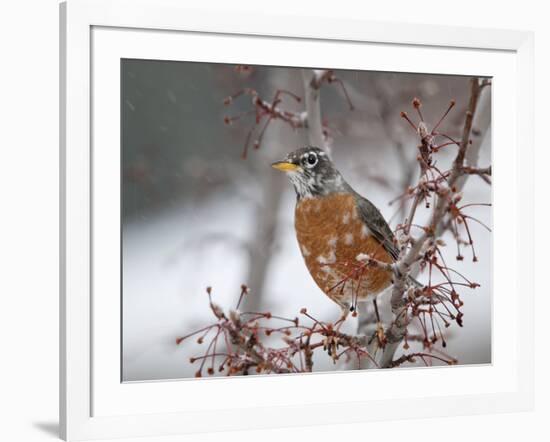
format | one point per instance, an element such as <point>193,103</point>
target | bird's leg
<point>345,312</point>
<point>380,332</point>
<point>367,319</point>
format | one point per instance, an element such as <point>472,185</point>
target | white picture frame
<point>95,34</point>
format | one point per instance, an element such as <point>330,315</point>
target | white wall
<point>28,226</point>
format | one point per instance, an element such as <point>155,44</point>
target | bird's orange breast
<point>331,235</point>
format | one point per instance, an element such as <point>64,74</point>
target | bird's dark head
<point>311,172</point>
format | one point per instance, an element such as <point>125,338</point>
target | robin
<point>335,227</point>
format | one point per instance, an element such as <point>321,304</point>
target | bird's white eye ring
<point>311,160</point>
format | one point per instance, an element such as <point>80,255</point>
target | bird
<point>335,228</point>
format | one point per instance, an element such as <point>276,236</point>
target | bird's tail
<point>415,282</point>
<point>410,280</point>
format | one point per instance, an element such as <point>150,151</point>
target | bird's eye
<point>311,159</point>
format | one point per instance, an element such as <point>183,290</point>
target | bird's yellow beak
<point>285,166</point>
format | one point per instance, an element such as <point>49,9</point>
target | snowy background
<point>195,214</point>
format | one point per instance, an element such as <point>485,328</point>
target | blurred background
<point>196,214</point>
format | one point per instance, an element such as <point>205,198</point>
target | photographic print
<point>287,220</point>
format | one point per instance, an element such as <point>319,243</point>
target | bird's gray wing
<point>377,225</point>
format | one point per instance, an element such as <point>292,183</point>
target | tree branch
<point>312,101</point>
<point>398,328</point>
